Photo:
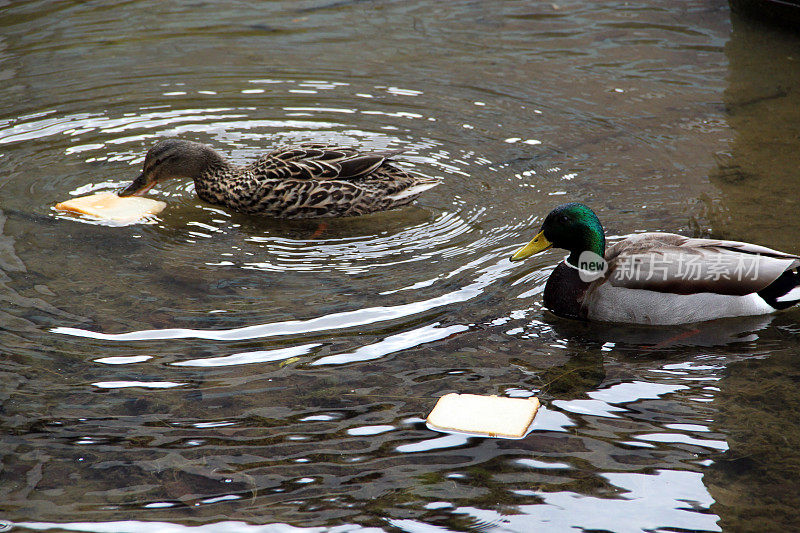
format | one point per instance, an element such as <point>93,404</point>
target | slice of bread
<point>109,206</point>
<point>493,416</point>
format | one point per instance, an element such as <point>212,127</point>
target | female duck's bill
<point>138,187</point>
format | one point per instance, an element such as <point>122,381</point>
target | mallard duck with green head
<point>305,181</point>
<point>658,278</point>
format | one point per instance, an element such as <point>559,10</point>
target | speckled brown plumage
<point>307,181</point>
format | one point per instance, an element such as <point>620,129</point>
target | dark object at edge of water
<point>785,13</point>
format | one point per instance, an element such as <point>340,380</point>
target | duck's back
<point>315,181</point>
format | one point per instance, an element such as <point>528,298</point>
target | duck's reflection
<point>657,339</point>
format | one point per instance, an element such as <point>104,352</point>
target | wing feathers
<point>319,162</point>
<point>670,263</point>
<point>356,167</point>
<point>318,180</point>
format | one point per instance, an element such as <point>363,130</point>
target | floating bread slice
<point>493,416</point>
<point>109,206</point>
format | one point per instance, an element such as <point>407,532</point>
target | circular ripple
<point>108,148</point>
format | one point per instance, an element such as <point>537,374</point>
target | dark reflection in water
<point>212,367</point>
<point>754,483</point>
<point>756,172</point>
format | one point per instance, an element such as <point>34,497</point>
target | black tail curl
<point>781,287</point>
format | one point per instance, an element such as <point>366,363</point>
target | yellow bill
<point>538,244</point>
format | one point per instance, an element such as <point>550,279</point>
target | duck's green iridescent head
<point>573,227</point>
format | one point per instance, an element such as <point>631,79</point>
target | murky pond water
<point>224,372</point>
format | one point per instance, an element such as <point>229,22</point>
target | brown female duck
<point>306,181</point>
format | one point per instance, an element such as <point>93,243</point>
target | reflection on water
<point>757,177</point>
<point>756,172</point>
<point>213,371</point>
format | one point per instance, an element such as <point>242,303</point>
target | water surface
<point>224,372</point>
